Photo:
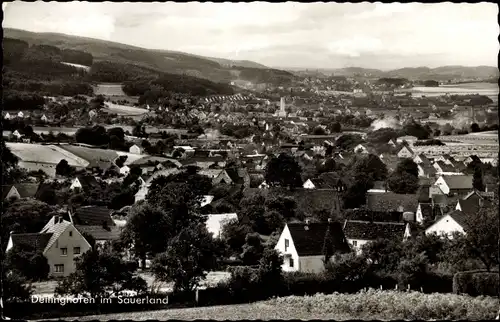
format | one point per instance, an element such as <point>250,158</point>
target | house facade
<point>405,152</point>
<point>447,225</point>
<point>135,149</point>
<point>301,245</point>
<point>59,241</point>
<point>455,184</point>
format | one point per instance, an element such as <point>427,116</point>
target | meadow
<point>365,305</point>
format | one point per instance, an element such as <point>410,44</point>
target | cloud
<point>382,10</point>
<point>355,46</point>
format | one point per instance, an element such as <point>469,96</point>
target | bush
<point>476,283</point>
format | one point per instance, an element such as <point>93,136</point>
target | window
<point>59,268</point>
<point>70,233</point>
<point>355,243</point>
<point>291,262</point>
<point>64,251</point>
<point>76,250</point>
<point>286,244</point>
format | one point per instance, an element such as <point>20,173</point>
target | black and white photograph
<point>250,161</point>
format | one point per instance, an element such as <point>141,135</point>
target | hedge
<point>476,283</point>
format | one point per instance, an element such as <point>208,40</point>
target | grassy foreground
<point>369,305</point>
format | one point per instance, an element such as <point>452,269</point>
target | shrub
<point>475,283</point>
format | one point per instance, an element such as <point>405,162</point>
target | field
<point>370,305</point>
<point>44,154</point>
<point>125,110</point>
<point>109,90</point>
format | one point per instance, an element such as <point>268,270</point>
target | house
<point>84,182</point>
<point>17,135</point>
<point>426,170</point>
<point>359,233</point>
<point>378,186</point>
<point>59,241</point>
<point>455,184</point>
<point>135,149</point>
<point>468,206</point>
<point>454,222</point>
<point>20,114</point>
<point>314,183</point>
<point>360,149</point>
<point>472,158</point>
<point>392,143</point>
<point>302,245</point>
<point>390,201</point>
<point>44,118</point>
<point>125,170</point>
<point>428,211</point>
<point>443,168</point>
<point>97,222</point>
<point>215,222</point>
<point>19,191</point>
<point>206,200</point>
<point>405,152</point>
<point>421,158</point>
<point>236,175</point>
<point>7,116</point>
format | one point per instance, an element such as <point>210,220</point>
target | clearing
<point>124,110</point>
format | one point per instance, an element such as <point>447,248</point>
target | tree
<point>412,270</point>
<point>402,182</point>
<point>477,179</point>
<point>10,170</point>
<point>252,250</point>
<point>148,229</point>
<point>188,257</point>
<point>335,127</point>
<point>15,288</point>
<point>101,273</point>
<point>481,238</point>
<point>234,234</point>
<point>28,262</point>
<point>355,195</point>
<point>474,127</point>
<point>347,142</point>
<point>319,131</point>
<point>283,171</point>
<point>269,271</point>
<point>372,167</point>
<point>408,166</point>
<point>64,169</point>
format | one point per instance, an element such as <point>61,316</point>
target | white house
<point>405,152</point>
<point>449,224</point>
<point>410,139</point>
<point>59,241</point>
<point>391,143</point>
<point>84,183</point>
<point>461,184</point>
<point>360,149</point>
<point>7,116</point>
<point>135,149</point>
<point>20,114</point>
<point>17,135</point>
<point>44,118</point>
<point>215,222</point>
<point>125,170</point>
<point>301,245</point>
<point>359,233</point>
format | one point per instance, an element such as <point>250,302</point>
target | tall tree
<point>477,179</point>
<point>283,171</point>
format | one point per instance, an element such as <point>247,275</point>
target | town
<point>120,183</point>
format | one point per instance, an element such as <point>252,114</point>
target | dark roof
<point>469,206</point>
<point>377,216</point>
<point>427,210</point>
<point>423,194</point>
<point>99,232</point>
<point>237,175</point>
<point>35,241</point>
<point>365,230</point>
<point>310,241</point>
<point>460,217</point>
<point>440,199</point>
<point>390,201</point>
<point>458,181</point>
<point>93,216</point>
<point>88,181</point>
<point>446,167</point>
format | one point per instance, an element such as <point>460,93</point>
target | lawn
<point>124,109</point>
<point>370,305</point>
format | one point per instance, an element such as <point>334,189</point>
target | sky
<point>289,34</point>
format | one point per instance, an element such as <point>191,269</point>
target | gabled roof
<point>99,232</point>
<point>92,216</point>
<point>407,148</point>
<point>446,167</point>
<point>365,230</point>
<point>36,241</point>
<point>56,226</point>
<point>25,190</point>
<point>87,181</point>
<point>423,194</point>
<point>469,206</point>
<point>458,181</point>
<point>390,201</point>
<point>310,241</point>
<point>461,218</point>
